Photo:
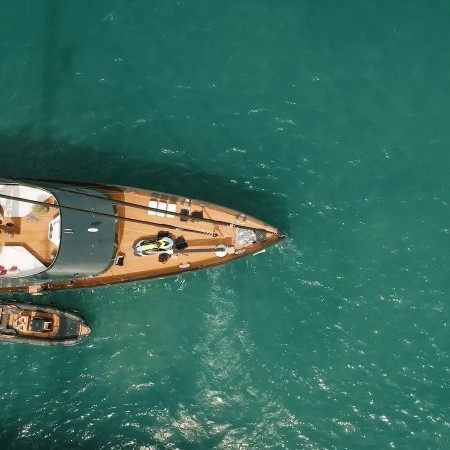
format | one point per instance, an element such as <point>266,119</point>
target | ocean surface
<point>328,119</point>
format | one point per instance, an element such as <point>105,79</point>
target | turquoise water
<point>327,119</point>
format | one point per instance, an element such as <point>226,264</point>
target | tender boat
<point>57,235</point>
<point>40,324</point>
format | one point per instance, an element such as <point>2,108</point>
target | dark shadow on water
<point>42,157</point>
<point>25,155</point>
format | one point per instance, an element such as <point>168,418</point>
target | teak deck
<point>31,235</point>
<point>29,315</point>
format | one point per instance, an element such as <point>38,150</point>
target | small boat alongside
<point>40,325</point>
<point>57,235</point>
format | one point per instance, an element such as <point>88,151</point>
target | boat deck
<point>25,243</point>
<point>201,237</point>
<point>21,322</point>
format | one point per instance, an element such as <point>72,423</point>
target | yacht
<point>57,235</point>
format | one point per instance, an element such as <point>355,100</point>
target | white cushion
<point>27,264</point>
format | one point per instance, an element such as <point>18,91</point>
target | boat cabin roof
<point>54,235</point>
